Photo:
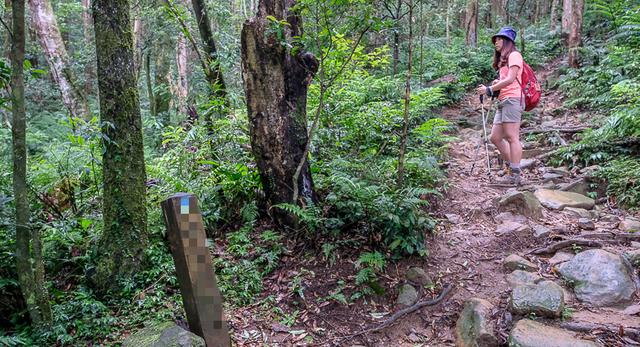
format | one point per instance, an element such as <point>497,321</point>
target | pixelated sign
<point>194,269</point>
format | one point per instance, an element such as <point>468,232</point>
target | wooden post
<point>200,294</point>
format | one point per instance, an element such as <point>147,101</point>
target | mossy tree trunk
<point>29,266</point>
<point>124,238</point>
<point>276,82</point>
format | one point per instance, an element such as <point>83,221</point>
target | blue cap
<point>506,32</point>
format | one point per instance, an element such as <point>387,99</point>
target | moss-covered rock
<point>166,334</point>
<point>474,327</point>
<point>544,299</point>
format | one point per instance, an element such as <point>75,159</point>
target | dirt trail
<point>467,251</point>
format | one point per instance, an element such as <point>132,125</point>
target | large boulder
<point>474,327</point>
<point>544,299</point>
<point>166,334</point>
<point>558,200</point>
<point>528,333</point>
<point>599,277</point>
<point>518,202</point>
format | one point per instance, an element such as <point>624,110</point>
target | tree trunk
<point>407,100</point>
<point>213,72</point>
<point>422,34</point>
<point>161,82</point>
<point>496,12</point>
<point>471,23</point>
<point>149,84</point>
<point>182,66</point>
<point>506,13</point>
<point>396,50</point>
<point>33,291</point>
<point>553,20</point>
<point>575,33</point>
<point>138,42</point>
<point>6,40</point>
<point>87,26</point>
<point>276,82</point>
<point>567,16</point>
<point>124,238</point>
<point>448,24</point>
<point>57,58</point>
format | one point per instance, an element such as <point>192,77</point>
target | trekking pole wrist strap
<point>489,91</point>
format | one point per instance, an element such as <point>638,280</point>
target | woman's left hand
<point>482,89</point>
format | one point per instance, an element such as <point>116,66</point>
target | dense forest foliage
<point>365,151</point>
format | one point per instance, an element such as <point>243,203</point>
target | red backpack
<point>530,87</point>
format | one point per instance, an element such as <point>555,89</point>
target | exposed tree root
<point>401,313</point>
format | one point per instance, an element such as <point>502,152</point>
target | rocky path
<point>551,263</point>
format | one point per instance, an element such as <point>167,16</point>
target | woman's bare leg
<point>498,136</point>
<point>512,136</point>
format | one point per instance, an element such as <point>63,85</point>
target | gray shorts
<point>509,111</point>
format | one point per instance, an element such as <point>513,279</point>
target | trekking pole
<point>486,141</point>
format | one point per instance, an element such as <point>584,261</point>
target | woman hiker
<point>505,133</point>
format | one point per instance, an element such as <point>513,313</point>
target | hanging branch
<point>6,27</point>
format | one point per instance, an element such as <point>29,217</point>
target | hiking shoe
<point>506,171</point>
<point>510,180</point>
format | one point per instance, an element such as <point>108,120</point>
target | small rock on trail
<point>418,276</point>
<point>629,224</point>
<point>407,295</point>
<point>474,326</point>
<point>516,262</point>
<point>544,299</point>
<point>528,333</point>
<point>518,277</point>
<point>523,203</point>
<point>508,228</point>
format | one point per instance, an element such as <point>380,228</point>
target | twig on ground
<point>402,313</point>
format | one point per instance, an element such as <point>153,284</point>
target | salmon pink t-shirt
<point>513,90</point>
